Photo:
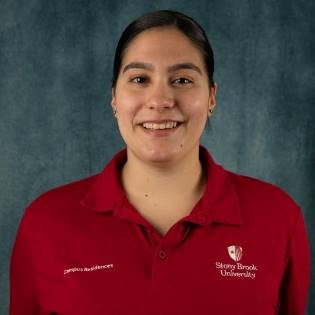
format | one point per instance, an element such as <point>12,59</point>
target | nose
<point>160,97</point>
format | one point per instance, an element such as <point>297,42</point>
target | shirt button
<point>162,254</point>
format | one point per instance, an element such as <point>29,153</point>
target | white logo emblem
<point>235,252</point>
<point>238,269</point>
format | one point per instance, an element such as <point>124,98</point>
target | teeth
<point>166,125</point>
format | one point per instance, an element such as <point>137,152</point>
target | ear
<point>113,102</point>
<point>212,97</point>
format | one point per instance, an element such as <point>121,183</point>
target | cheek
<point>195,107</point>
<point>127,108</point>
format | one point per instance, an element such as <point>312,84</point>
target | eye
<point>182,81</point>
<point>139,79</point>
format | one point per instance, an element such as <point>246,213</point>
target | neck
<point>180,178</point>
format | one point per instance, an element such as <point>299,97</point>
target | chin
<point>159,155</point>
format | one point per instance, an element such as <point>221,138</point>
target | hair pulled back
<point>182,22</point>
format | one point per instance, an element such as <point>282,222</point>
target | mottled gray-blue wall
<point>55,119</point>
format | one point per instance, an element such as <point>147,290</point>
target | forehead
<point>162,45</point>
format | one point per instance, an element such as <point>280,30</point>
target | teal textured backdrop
<point>56,124</point>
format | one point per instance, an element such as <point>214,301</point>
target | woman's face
<point>162,96</point>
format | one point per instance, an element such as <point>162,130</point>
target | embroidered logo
<point>235,252</point>
<point>238,269</point>
<point>88,268</point>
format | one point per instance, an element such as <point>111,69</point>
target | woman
<point>162,229</point>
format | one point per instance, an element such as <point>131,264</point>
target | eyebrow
<point>185,65</point>
<point>149,66</point>
<point>138,65</point>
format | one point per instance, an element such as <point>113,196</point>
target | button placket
<point>160,268</point>
<point>163,252</point>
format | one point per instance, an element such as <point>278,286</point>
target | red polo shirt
<point>82,249</point>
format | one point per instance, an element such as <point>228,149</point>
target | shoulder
<point>59,202</point>
<point>269,200</point>
<point>255,187</point>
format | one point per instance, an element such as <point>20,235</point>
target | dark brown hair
<point>182,22</point>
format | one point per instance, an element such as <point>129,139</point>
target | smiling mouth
<point>160,126</point>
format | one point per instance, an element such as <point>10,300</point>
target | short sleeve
<point>23,291</point>
<point>295,285</point>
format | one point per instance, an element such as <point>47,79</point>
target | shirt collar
<point>106,192</point>
<point>219,203</point>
